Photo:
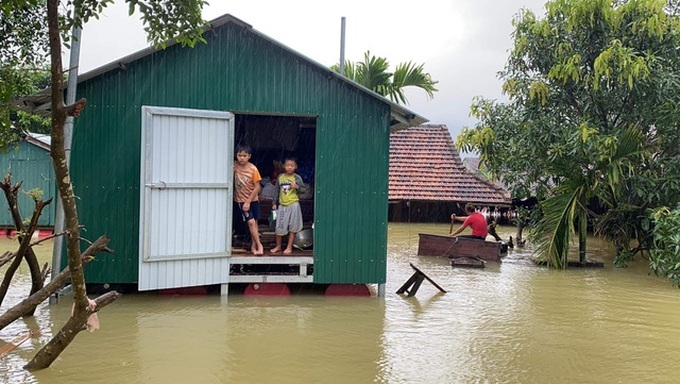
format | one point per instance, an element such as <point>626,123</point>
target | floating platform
<point>575,263</point>
<point>467,262</point>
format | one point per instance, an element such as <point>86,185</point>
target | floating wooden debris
<point>17,341</point>
<point>412,285</point>
<point>574,263</point>
<point>467,262</point>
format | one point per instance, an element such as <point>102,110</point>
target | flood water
<point>508,323</point>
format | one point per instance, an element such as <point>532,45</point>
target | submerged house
<point>30,163</point>
<point>153,151</point>
<point>428,180</point>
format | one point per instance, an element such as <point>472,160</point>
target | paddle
<point>453,219</point>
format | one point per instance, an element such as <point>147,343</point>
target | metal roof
<point>401,118</point>
<point>40,140</point>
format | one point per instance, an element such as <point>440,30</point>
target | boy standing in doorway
<point>246,190</point>
<point>289,214</point>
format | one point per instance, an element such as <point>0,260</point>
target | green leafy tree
<point>23,62</point>
<point>374,74</point>
<point>591,122</point>
<point>665,256</point>
<point>164,19</point>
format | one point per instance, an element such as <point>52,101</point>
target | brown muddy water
<point>508,323</point>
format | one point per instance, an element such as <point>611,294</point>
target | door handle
<point>159,185</point>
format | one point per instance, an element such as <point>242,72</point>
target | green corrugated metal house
<point>30,163</point>
<point>153,152</point>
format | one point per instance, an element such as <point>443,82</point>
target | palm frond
<point>412,75</point>
<point>373,73</point>
<point>349,71</point>
<point>554,231</point>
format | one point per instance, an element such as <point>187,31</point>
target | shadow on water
<point>508,323</point>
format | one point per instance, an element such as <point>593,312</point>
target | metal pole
<point>59,223</point>
<point>342,46</point>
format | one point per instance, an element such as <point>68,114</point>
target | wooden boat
<point>438,245</point>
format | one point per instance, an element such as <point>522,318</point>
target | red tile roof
<point>425,166</point>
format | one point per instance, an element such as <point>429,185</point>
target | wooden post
<point>582,232</point>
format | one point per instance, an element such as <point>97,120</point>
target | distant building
<point>474,165</point>
<point>30,163</point>
<point>428,180</point>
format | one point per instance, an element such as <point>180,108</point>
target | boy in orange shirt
<point>246,190</point>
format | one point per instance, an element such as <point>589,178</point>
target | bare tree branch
<point>11,194</point>
<point>25,249</point>
<point>19,310</point>
<point>6,257</point>
<point>68,332</point>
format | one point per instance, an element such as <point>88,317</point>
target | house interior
<point>272,139</point>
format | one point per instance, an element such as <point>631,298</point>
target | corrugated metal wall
<point>241,72</point>
<point>32,166</point>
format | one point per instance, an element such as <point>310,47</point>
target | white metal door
<point>185,204</point>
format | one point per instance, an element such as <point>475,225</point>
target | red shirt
<point>477,222</point>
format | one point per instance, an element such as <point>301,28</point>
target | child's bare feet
<point>287,251</point>
<point>275,250</point>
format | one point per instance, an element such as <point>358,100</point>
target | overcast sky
<point>462,43</point>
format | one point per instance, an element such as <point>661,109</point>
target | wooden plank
<point>408,283</point>
<point>271,260</point>
<point>17,341</point>
<point>270,279</point>
<point>467,262</point>
<point>427,278</point>
<point>302,262</point>
<point>412,285</point>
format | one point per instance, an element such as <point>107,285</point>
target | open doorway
<point>273,139</point>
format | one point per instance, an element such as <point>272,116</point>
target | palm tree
<point>603,182</point>
<point>373,73</point>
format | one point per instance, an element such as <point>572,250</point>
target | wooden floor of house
<point>296,267</point>
<point>296,252</point>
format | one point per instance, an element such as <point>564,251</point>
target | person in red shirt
<point>474,220</point>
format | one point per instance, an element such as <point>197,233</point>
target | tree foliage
<point>163,20</point>
<point>665,256</point>
<point>373,73</point>
<point>23,58</point>
<point>24,49</point>
<point>592,118</point>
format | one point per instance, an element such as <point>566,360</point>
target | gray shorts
<point>288,219</point>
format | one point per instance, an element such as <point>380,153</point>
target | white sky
<point>462,43</point>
